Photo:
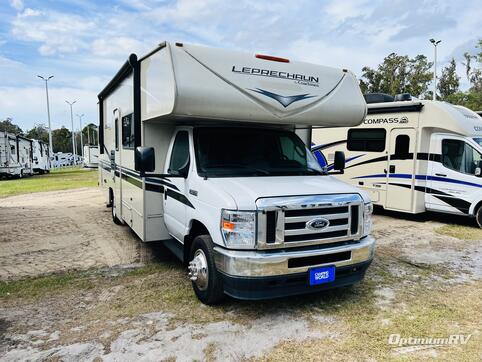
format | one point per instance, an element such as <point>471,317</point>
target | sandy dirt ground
<point>58,231</point>
<point>115,313</point>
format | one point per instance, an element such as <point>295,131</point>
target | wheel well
<point>111,198</point>
<point>479,204</point>
<point>197,228</point>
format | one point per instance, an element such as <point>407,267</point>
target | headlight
<point>238,228</point>
<point>367,218</point>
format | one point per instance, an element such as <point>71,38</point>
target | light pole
<point>46,80</point>
<point>81,136</point>
<point>435,43</point>
<point>73,133</point>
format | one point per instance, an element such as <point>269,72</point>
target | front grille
<point>318,220</point>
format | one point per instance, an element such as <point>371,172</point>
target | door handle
<point>441,175</point>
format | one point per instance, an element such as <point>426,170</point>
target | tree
<point>62,140</point>
<point>7,125</point>
<point>474,72</point>
<point>449,81</point>
<point>39,132</point>
<point>398,74</point>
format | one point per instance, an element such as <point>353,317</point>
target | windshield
<point>235,152</point>
<point>478,140</point>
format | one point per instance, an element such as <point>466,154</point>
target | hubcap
<point>198,270</point>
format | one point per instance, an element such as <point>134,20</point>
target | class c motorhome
<point>41,157</point>
<point>411,155</point>
<point>198,150</point>
<point>15,155</point>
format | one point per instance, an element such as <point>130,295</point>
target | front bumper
<point>240,263</point>
<point>279,273</point>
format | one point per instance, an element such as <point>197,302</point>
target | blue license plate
<point>322,275</point>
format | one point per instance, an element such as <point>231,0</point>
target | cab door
<point>401,169</point>
<point>452,184</point>
<point>175,200</point>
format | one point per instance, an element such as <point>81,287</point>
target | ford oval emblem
<point>317,224</point>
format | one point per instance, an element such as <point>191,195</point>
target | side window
<point>368,140</point>
<point>453,154</point>
<point>180,152</point>
<point>402,147</point>
<point>459,156</point>
<point>128,131</point>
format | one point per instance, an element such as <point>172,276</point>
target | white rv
<point>91,156</point>
<point>198,150</point>
<point>41,157</point>
<point>15,155</point>
<point>412,155</point>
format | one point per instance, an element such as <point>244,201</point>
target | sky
<point>82,43</point>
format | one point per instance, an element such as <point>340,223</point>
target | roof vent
<point>378,98</point>
<point>402,97</point>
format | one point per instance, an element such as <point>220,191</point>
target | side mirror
<point>339,162</point>
<point>144,159</point>
<point>478,169</point>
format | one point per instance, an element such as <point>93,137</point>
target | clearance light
<point>273,59</point>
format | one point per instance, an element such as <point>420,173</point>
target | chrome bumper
<point>261,263</point>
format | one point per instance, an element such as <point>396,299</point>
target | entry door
<point>115,163</point>
<point>401,169</point>
<point>175,200</point>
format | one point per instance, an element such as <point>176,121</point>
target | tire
<point>209,286</point>
<point>478,216</point>
<point>115,219</point>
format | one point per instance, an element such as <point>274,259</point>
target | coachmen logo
<point>317,224</point>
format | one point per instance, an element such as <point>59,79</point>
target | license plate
<point>322,275</point>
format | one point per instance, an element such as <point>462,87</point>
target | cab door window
<point>180,153</point>
<point>459,156</point>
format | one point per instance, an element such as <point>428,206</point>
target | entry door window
<point>180,153</point>
<point>402,147</point>
<point>459,156</point>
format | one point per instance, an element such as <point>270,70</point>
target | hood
<point>246,190</point>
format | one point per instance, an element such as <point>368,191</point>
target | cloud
<point>16,4</point>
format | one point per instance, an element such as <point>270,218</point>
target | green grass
<point>63,179</point>
<point>461,232</point>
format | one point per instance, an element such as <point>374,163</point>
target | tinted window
<point>233,152</point>
<point>128,131</point>
<point>402,147</point>
<point>459,156</point>
<point>180,152</point>
<point>368,140</point>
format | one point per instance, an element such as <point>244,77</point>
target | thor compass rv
<point>41,159</point>
<point>91,156</point>
<point>198,150</point>
<point>411,155</point>
<point>15,155</point>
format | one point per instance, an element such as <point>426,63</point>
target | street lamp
<point>46,80</point>
<point>435,43</point>
<point>81,136</point>
<point>73,133</point>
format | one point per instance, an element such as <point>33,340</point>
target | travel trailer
<point>41,157</point>
<point>198,150</point>
<point>91,156</point>
<point>61,159</point>
<point>411,155</point>
<point>15,155</point>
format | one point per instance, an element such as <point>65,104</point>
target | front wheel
<point>478,216</point>
<point>206,280</point>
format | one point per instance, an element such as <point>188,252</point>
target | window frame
<point>351,130</point>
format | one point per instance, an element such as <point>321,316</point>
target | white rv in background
<point>41,157</point>
<point>15,155</point>
<point>411,155</point>
<point>91,156</point>
<point>198,150</point>
<point>61,159</point>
